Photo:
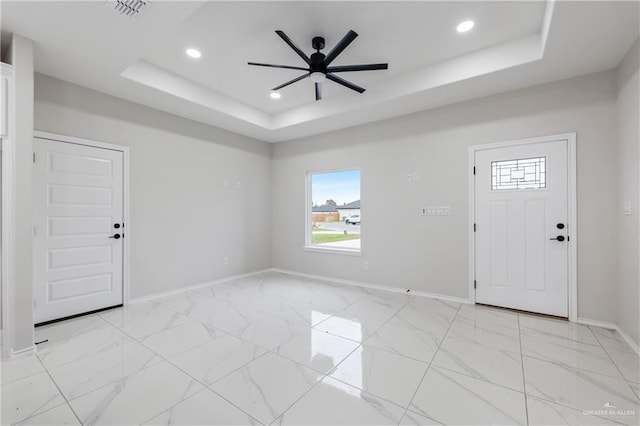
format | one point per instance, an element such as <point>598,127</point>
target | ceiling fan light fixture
<point>317,77</point>
<point>193,53</point>
<point>275,95</point>
<point>465,26</point>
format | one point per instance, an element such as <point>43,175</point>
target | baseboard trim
<point>372,286</point>
<point>442,297</point>
<point>611,326</point>
<point>595,323</point>
<point>133,301</point>
<point>628,339</point>
<point>23,352</point>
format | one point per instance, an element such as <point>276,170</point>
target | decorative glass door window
<point>528,173</point>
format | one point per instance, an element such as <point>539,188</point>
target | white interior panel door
<point>522,234</point>
<point>78,229</point>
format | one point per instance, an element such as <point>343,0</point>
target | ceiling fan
<point>318,64</point>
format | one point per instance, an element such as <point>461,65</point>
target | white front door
<point>522,230</point>
<point>78,210</point>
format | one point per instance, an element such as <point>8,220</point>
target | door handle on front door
<point>558,238</point>
<point>116,236</point>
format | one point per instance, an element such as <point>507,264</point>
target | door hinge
<point>475,284</point>
<point>34,157</point>
<point>474,170</point>
<point>474,227</point>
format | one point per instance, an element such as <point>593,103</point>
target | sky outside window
<point>343,187</point>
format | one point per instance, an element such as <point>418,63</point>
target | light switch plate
<point>444,210</point>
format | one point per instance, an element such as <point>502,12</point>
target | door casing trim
<point>125,195</point>
<point>570,138</point>
<point>7,240</point>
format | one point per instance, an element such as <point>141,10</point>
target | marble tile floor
<point>275,349</point>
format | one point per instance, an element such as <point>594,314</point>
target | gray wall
<point>183,221</point>
<point>628,127</point>
<point>407,250</point>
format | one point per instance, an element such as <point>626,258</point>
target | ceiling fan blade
<point>278,66</point>
<point>318,91</point>
<point>342,44</point>
<point>345,83</point>
<point>366,67</point>
<point>291,82</point>
<point>293,46</point>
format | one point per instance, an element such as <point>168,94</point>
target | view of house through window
<point>335,209</point>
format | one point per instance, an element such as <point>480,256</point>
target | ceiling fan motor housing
<point>317,62</point>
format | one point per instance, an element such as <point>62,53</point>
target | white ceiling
<point>513,45</point>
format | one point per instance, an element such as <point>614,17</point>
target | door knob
<point>115,236</point>
<point>558,238</point>
<point>560,226</point>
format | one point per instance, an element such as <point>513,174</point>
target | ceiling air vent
<point>130,8</point>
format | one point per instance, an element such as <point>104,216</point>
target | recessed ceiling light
<point>275,95</point>
<point>194,53</point>
<point>465,26</point>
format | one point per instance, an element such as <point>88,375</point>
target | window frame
<point>308,237</point>
<point>495,188</point>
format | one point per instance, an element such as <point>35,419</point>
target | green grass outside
<point>332,238</point>
<point>322,230</point>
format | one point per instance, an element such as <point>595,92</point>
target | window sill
<point>334,250</point>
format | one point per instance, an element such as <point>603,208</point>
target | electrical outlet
<point>366,264</point>
<point>225,260</point>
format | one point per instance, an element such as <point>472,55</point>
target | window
<point>528,173</point>
<point>333,211</point>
